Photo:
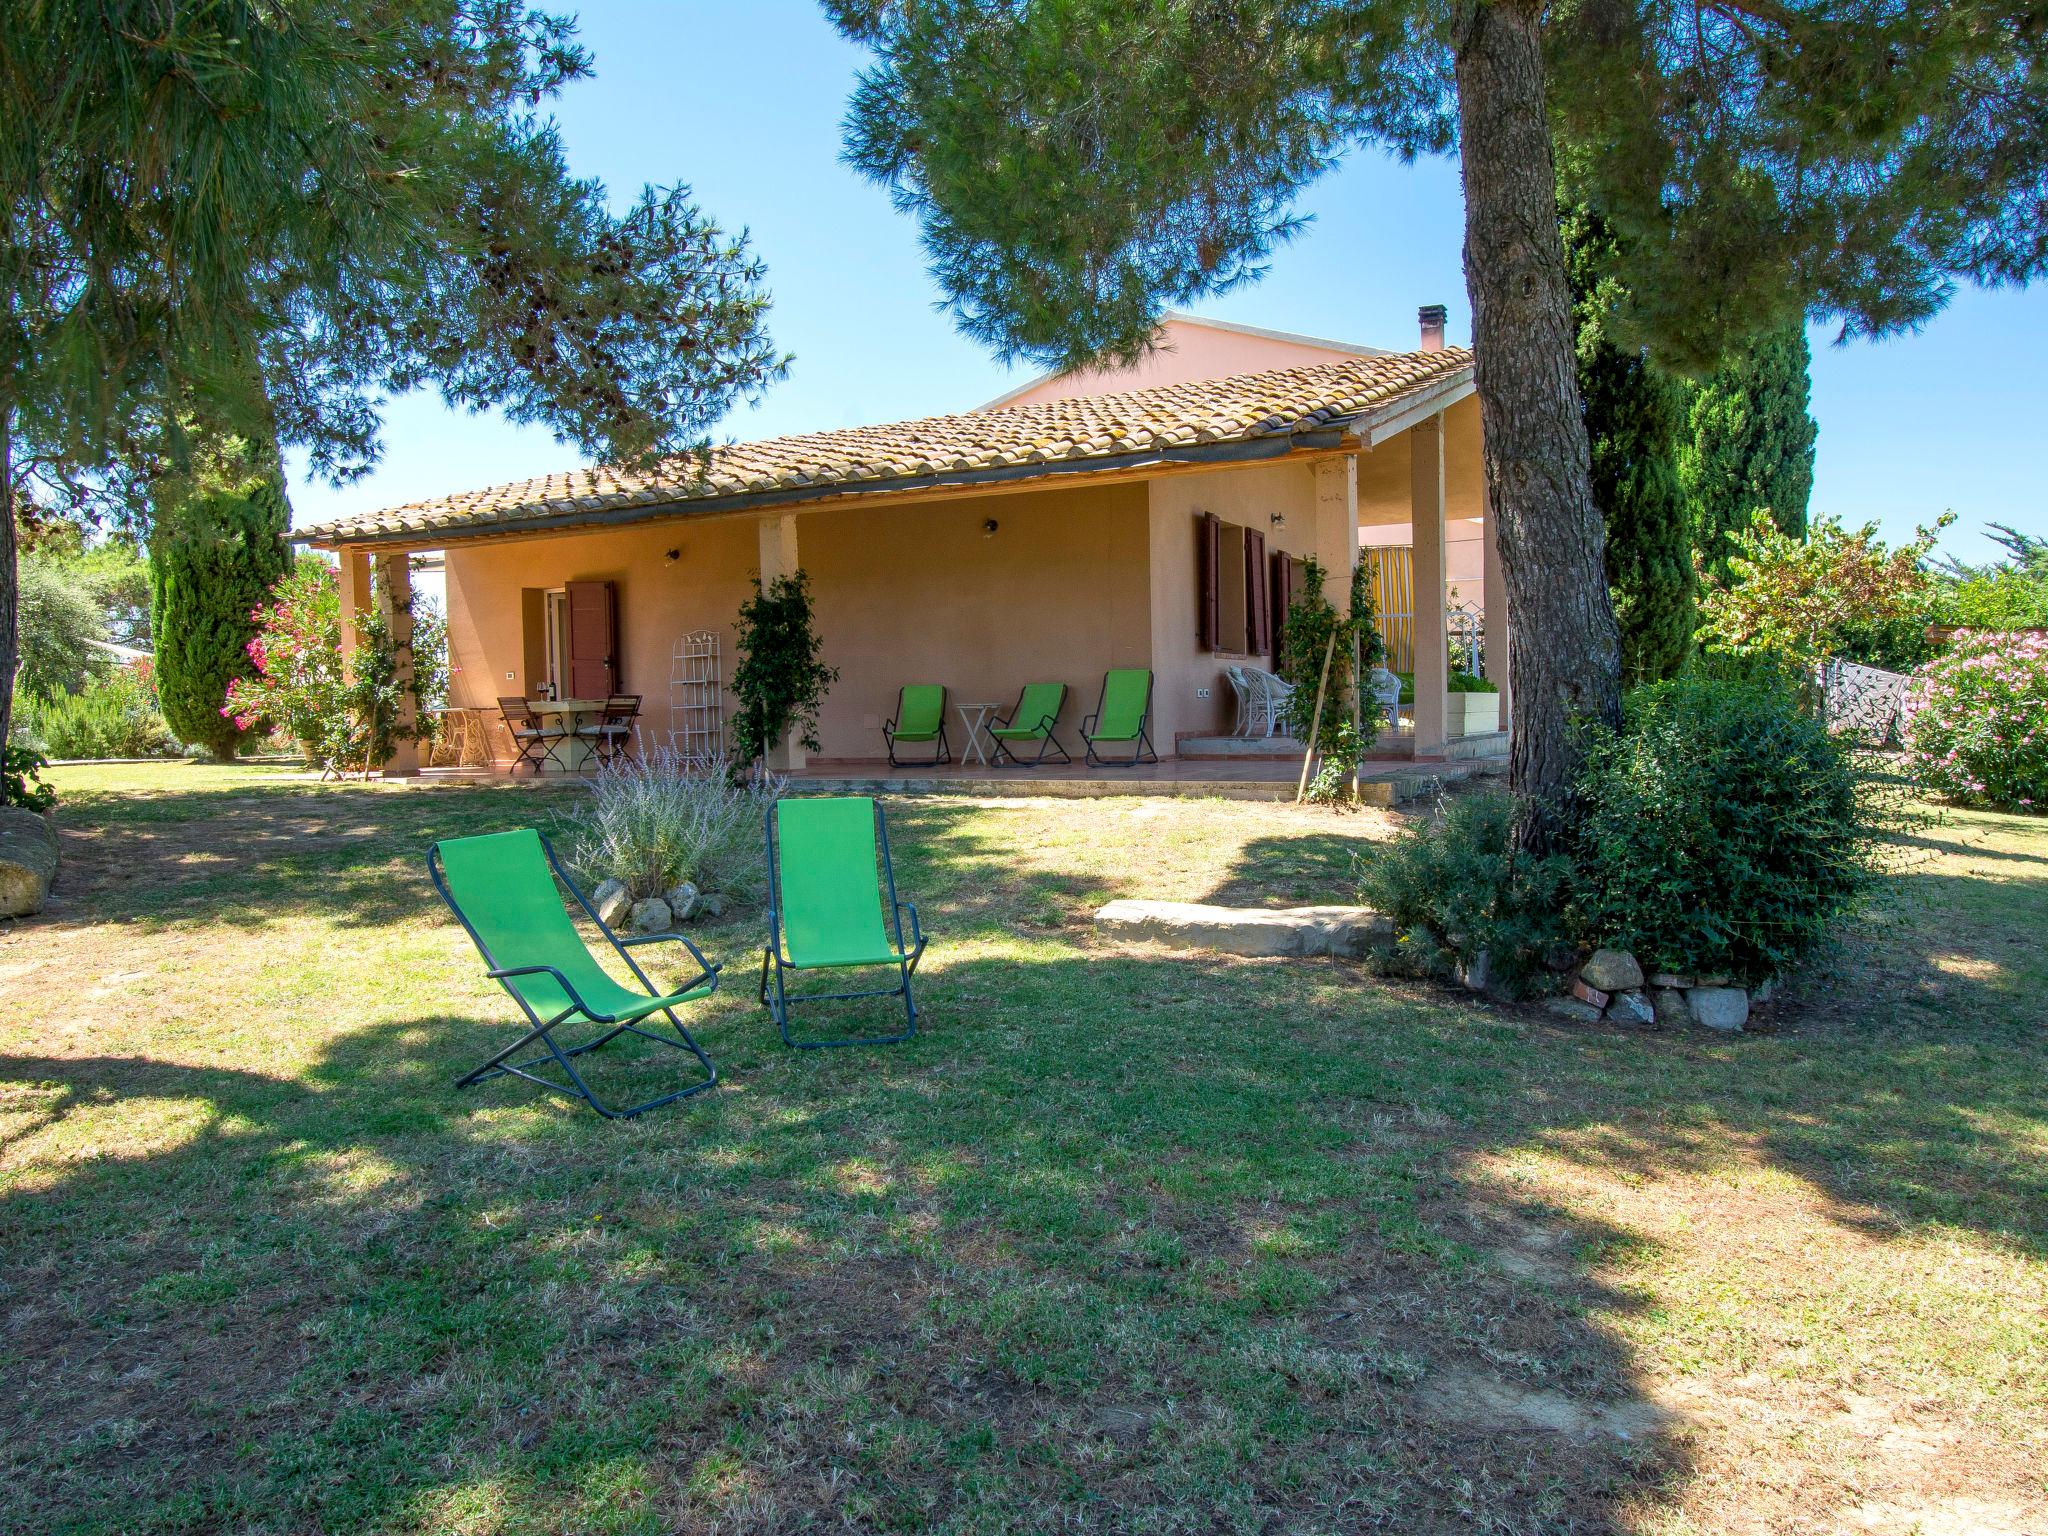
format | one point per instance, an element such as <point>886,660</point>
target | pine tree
<point>214,556</point>
<point>274,217</point>
<point>1078,165</point>
<point>1632,419</point>
<point>1748,443</point>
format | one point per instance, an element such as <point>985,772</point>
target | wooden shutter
<point>1209,604</point>
<point>1256,620</point>
<point>593,633</point>
<point>1282,597</point>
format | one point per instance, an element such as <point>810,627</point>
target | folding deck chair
<point>501,888</point>
<point>832,905</point>
<point>1037,709</point>
<point>920,718</point>
<point>1121,716</point>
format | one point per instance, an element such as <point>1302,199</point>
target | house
<point>1144,516</point>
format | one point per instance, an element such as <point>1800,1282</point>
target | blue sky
<point>743,103</point>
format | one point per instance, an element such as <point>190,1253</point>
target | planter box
<point>1471,714</point>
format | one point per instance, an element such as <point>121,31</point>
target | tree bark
<point>1565,663</point>
<point>10,579</point>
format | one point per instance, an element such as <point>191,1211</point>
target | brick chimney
<point>1433,317</point>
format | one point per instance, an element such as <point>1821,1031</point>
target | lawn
<point>1126,1240</point>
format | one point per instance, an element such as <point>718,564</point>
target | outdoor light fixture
<point>989,528</point>
<point>674,555</point>
<point>1279,520</point>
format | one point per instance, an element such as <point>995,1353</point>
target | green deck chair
<point>1038,709</point>
<point>501,888</point>
<point>832,905</point>
<point>1121,717</point>
<point>920,718</point>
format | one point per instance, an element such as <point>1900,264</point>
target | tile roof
<point>1174,420</point>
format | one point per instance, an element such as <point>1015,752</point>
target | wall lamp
<point>989,528</point>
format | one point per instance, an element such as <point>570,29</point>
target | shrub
<point>21,781</point>
<point>781,679</point>
<point>1721,830</point>
<point>1312,626</point>
<point>654,822</point>
<point>116,717</point>
<point>213,558</point>
<point>344,718</point>
<point>57,625</point>
<point>1976,721</point>
<point>1457,680</point>
<point>1458,887</point>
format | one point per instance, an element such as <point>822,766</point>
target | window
<point>1235,592</point>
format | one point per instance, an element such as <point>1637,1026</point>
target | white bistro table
<point>975,718</point>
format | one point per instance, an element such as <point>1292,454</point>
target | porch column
<point>394,605</point>
<point>1426,508</point>
<point>1494,595</point>
<point>352,580</point>
<point>1336,531</point>
<point>779,558</point>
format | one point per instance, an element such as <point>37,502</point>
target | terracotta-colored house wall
<point>1249,497</point>
<point>922,593</point>
<point>491,626</point>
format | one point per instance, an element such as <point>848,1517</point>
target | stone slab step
<point>1347,932</point>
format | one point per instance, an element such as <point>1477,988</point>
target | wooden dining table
<point>573,752</point>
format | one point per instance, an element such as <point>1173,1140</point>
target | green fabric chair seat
<point>1037,708</point>
<point>502,886</point>
<point>830,896</point>
<point>832,904</point>
<point>920,712</point>
<point>1126,693</point>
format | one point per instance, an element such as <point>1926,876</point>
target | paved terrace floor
<point>1381,782</point>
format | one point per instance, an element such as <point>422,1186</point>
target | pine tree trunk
<point>10,578</point>
<point>1565,659</point>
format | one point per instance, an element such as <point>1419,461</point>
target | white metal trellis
<point>696,697</point>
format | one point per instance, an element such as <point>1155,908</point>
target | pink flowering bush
<point>1976,721</point>
<point>343,716</point>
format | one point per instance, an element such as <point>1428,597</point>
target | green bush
<point>781,678</point>
<point>21,781</point>
<point>213,557</point>
<point>1457,887</point>
<point>1721,830</point>
<point>1456,680</point>
<point>115,717</point>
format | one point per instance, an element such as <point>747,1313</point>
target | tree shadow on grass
<point>1048,1253</point>
<point>1121,1241</point>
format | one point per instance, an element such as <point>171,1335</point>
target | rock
<point>1631,1008</point>
<point>1476,974</point>
<point>710,904</point>
<point>1561,958</point>
<point>1347,932</point>
<point>683,902</point>
<point>1763,992</point>
<point>1669,1005</point>
<point>1572,1009</point>
<point>1672,979</point>
<point>1723,1008</point>
<point>611,902</point>
<point>1591,996</point>
<point>28,860</point>
<point>1612,970</point>
<point>650,916</point>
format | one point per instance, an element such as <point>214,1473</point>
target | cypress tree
<point>213,557</point>
<point>1748,442</point>
<point>1633,414</point>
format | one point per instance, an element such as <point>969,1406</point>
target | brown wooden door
<point>593,640</point>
